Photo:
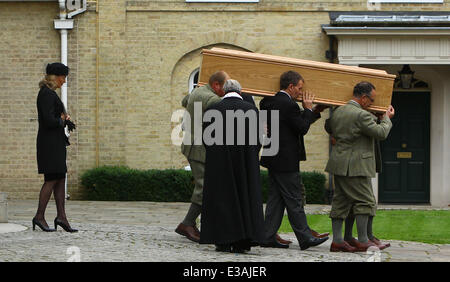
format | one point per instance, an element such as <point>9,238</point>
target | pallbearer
<point>192,148</point>
<point>352,162</point>
<point>284,168</point>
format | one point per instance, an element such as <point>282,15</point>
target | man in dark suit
<point>284,169</point>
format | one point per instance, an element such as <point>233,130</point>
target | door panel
<point>405,176</point>
<point>393,173</point>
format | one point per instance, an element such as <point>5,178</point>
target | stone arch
<point>213,38</point>
<point>192,59</point>
<point>179,80</point>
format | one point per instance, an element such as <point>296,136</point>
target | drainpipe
<point>63,25</point>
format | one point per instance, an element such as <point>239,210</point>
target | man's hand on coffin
<point>390,111</point>
<point>307,99</point>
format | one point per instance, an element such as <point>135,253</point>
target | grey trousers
<point>285,191</point>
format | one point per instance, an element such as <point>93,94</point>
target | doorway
<point>405,176</point>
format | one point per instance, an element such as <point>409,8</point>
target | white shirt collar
<point>286,93</point>
<point>232,94</point>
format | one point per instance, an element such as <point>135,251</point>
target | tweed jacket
<point>192,146</point>
<point>355,131</point>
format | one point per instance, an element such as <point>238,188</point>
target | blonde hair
<point>49,80</point>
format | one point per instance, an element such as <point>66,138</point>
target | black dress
<point>51,139</point>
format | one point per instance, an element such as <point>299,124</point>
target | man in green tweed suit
<point>193,149</point>
<point>352,162</point>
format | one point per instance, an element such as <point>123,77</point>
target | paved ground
<point>143,231</point>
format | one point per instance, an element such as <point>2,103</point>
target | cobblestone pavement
<point>143,231</point>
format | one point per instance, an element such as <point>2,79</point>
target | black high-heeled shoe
<point>65,226</point>
<point>36,222</point>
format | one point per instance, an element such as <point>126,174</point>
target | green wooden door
<point>405,176</point>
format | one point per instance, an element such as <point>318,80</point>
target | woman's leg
<point>44,197</point>
<point>60,193</point>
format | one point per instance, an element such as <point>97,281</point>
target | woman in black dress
<point>51,147</point>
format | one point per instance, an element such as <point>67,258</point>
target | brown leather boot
<point>190,232</point>
<point>282,241</point>
<point>343,247</point>
<point>319,235</point>
<point>379,244</point>
<point>361,247</point>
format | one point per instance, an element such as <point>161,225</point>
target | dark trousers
<point>285,192</point>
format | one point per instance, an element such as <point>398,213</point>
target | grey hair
<point>232,85</point>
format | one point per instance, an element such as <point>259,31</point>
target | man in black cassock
<point>232,212</point>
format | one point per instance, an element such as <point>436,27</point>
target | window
<point>193,79</point>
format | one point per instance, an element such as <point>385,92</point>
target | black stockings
<point>58,188</point>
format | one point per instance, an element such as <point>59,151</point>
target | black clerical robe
<point>232,209</point>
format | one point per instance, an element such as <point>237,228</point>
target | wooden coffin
<point>259,74</point>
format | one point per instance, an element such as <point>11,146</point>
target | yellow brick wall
<point>28,42</point>
<point>140,54</point>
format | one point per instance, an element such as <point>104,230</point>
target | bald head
<point>217,80</point>
<point>219,76</point>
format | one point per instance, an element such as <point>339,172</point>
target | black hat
<point>57,69</point>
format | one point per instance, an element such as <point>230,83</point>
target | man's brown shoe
<point>189,232</point>
<point>282,241</point>
<point>361,247</point>
<point>343,247</point>
<point>319,235</point>
<point>380,245</point>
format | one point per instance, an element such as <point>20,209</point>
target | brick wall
<point>25,48</point>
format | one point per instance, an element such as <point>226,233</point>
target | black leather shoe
<point>311,242</point>
<point>239,250</point>
<point>64,225</point>
<point>223,248</point>
<point>36,222</point>
<point>275,244</point>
